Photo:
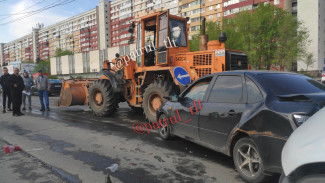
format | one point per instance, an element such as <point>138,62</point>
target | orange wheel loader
<point>161,65</point>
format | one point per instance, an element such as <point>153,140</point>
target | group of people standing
<point>15,90</point>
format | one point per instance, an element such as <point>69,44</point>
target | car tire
<point>165,131</point>
<point>248,161</point>
<point>317,178</point>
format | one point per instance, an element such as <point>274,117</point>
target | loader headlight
<point>300,119</point>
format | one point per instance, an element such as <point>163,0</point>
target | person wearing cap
<point>28,81</point>
<point>43,86</point>
<point>5,90</point>
<point>16,83</point>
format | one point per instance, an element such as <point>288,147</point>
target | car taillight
<point>300,119</point>
<point>52,85</point>
<point>323,75</point>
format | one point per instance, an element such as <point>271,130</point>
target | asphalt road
<point>72,145</point>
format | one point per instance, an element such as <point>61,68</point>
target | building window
<point>276,2</point>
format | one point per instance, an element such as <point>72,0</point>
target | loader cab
<point>160,35</point>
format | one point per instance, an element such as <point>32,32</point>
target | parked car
<point>323,76</point>
<point>248,115</point>
<point>55,87</point>
<point>303,158</point>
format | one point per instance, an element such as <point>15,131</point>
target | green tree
<point>45,66</point>
<point>309,60</point>
<point>256,32</point>
<point>194,43</point>
<point>292,39</point>
<point>268,35</point>
<point>59,52</point>
<point>212,29</point>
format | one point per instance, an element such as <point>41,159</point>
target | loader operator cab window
<point>177,33</point>
<point>150,42</point>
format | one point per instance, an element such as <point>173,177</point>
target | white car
<point>323,76</point>
<point>303,156</point>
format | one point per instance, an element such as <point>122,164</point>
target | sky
<point>11,10</point>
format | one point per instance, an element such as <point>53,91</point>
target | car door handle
<point>232,113</point>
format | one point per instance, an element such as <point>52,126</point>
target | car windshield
<point>288,84</point>
<point>54,81</point>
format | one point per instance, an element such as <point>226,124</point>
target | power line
<point>23,10</point>
<point>38,11</point>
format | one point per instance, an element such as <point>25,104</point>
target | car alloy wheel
<point>248,161</point>
<point>164,131</point>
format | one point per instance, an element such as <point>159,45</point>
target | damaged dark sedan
<point>248,115</point>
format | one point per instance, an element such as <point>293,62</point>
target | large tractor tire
<point>153,97</point>
<point>102,100</point>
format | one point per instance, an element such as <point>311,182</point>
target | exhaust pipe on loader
<point>203,39</point>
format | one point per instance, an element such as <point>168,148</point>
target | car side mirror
<point>174,98</point>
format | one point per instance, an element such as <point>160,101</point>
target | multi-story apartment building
<point>146,7</point>
<point>195,10</point>
<point>19,49</point>
<point>216,10</point>
<point>312,14</point>
<point>107,25</point>
<point>43,44</point>
<point>1,53</point>
<point>121,13</point>
<point>294,7</point>
<point>213,10</point>
<point>231,7</point>
<point>104,26</point>
<point>77,34</point>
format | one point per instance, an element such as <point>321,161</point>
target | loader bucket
<point>74,92</point>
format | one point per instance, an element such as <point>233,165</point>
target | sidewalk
<point>20,167</point>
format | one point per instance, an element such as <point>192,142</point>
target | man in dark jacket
<point>5,90</point>
<point>17,86</point>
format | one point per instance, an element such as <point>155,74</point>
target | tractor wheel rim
<point>249,161</point>
<point>98,98</point>
<point>154,102</point>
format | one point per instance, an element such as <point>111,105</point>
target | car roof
<point>253,72</point>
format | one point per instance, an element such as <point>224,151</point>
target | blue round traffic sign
<point>182,76</point>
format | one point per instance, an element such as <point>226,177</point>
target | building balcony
<point>125,6</point>
<point>124,26</point>
<point>85,36</point>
